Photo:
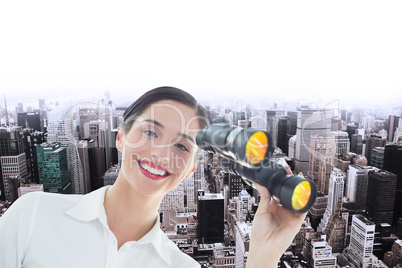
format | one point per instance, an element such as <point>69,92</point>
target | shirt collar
<point>156,237</point>
<point>90,207</point>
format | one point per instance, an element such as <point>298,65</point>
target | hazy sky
<point>286,49</point>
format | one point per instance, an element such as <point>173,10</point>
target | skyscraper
<point>173,200</point>
<point>31,140</point>
<point>361,241</point>
<point>372,142</point>
<point>381,196</point>
<point>83,153</point>
<point>356,144</point>
<point>12,167</point>
<point>356,185</point>
<point>53,168</point>
<point>377,157</point>
<point>321,163</point>
<point>235,185</point>
<point>242,236</point>
<point>11,145</point>
<point>62,130</point>
<point>342,143</point>
<point>210,214</point>
<point>309,122</point>
<point>286,130</point>
<point>335,194</point>
<point>392,127</point>
<point>392,163</point>
<point>29,120</point>
<point>272,123</point>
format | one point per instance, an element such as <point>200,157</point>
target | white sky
<point>291,49</point>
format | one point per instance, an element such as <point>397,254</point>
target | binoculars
<point>247,152</point>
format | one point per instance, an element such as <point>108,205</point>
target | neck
<point>126,208</point>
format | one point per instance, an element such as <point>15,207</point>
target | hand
<point>274,229</point>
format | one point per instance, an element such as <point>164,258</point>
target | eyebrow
<point>154,122</point>
<point>161,126</point>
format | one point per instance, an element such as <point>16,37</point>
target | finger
<point>301,174</point>
<point>265,198</point>
<point>288,170</point>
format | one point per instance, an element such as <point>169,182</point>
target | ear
<point>119,139</point>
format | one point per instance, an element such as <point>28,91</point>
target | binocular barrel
<point>247,152</point>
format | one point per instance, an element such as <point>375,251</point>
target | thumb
<point>265,198</point>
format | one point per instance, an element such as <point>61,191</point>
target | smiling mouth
<point>152,170</point>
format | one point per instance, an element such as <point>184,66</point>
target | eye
<point>150,133</point>
<point>182,147</point>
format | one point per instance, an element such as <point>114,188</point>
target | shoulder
<point>177,257</point>
<point>38,202</point>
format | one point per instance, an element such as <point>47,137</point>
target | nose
<point>161,154</point>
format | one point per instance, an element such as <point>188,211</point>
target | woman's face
<point>159,149</point>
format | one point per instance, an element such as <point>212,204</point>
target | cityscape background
<point>354,156</point>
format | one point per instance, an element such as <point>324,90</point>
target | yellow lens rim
<point>301,195</point>
<point>256,148</point>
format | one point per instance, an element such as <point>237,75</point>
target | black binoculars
<point>247,152</point>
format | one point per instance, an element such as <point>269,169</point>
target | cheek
<point>181,162</point>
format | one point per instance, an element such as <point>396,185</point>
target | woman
<point>118,226</point>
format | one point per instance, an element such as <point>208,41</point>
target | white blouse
<point>54,230</point>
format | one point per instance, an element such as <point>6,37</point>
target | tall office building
<point>210,214</point>
<point>332,223</point>
<point>29,120</point>
<point>356,144</point>
<point>173,200</point>
<point>242,238</point>
<point>286,130</point>
<point>392,163</point>
<point>13,168</point>
<point>393,126</point>
<point>31,140</point>
<point>190,202</point>
<point>317,211</point>
<point>61,129</point>
<point>11,145</point>
<point>361,241</point>
<point>235,185</point>
<point>83,153</point>
<point>321,163</point>
<point>398,131</point>
<point>259,119</point>
<point>317,251</point>
<point>377,157</point>
<point>53,168</point>
<point>351,129</point>
<point>372,142</point>
<point>244,203</point>
<point>272,123</point>
<point>381,196</point>
<point>335,195</point>
<point>309,122</point>
<point>342,143</point>
<point>356,185</point>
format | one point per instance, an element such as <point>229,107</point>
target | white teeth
<point>153,170</point>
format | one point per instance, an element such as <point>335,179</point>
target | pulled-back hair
<point>158,94</point>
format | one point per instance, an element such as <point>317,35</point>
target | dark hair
<point>158,94</point>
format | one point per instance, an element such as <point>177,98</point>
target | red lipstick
<point>149,174</point>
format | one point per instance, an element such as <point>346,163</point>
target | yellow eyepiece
<point>301,195</point>
<point>256,148</point>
